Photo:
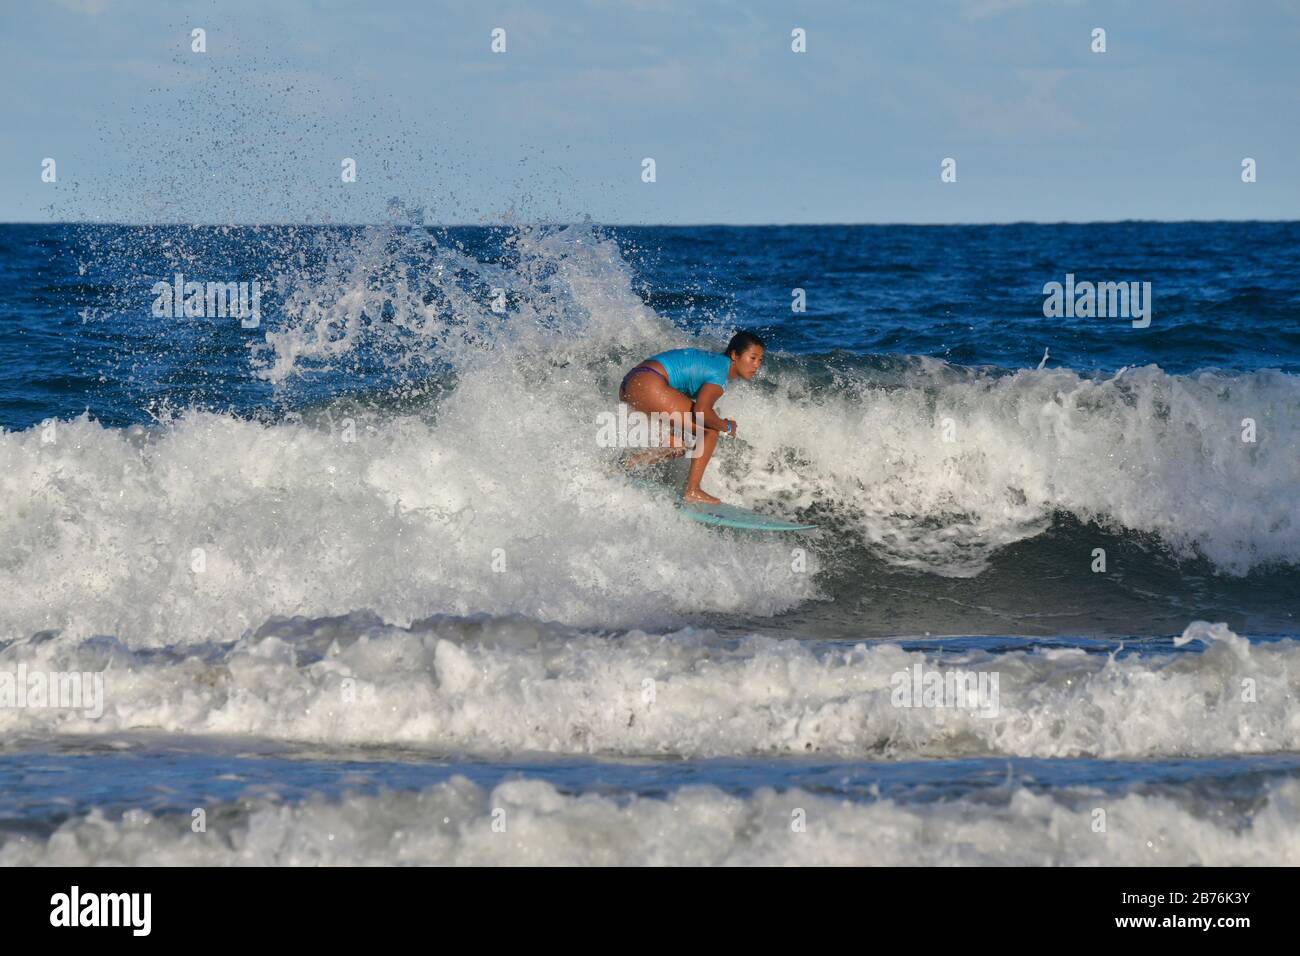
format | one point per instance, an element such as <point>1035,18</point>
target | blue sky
<point>742,130</point>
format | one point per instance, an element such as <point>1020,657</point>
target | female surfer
<point>682,383</point>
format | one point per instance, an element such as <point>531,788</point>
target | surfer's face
<point>748,362</point>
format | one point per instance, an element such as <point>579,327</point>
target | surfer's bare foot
<point>697,497</point>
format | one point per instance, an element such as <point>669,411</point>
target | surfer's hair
<point>742,341</point>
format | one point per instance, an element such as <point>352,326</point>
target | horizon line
<point>634,225</point>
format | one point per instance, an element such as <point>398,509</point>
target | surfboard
<point>720,516</point>
<point>731,516</point>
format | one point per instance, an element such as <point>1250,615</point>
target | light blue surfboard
<point>730,516</point>
<point>721,516</point>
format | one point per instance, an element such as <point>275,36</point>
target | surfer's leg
<point>649,393</point>
<point>706,441</point>
<point>652,455</point>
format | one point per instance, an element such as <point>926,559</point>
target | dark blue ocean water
<point>76,333</point>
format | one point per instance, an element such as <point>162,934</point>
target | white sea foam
<point>1144,451</point>
<point>217,524</point>
<point>453,824</point>
<point>490,686</point>
<point>505,504</point>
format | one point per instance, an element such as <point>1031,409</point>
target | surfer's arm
<point>704,399</point>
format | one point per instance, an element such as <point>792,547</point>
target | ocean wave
<point>499,500</point>
<point>944,470</point>
<point>493,494</point>
<point>491,686</point>
<point>530,822</point>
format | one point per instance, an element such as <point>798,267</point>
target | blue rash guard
<point>688,369</point>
